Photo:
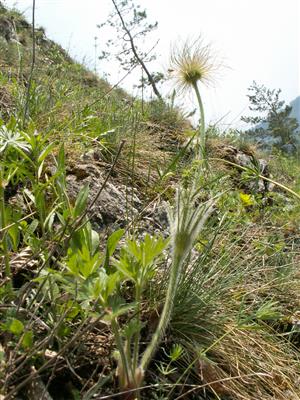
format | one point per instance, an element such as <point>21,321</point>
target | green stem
<point>32,65</point>
<point>115,329</point>
<point>202,138</point>
<point>127,352</point>
<point>40,207</point>
<point>2,225</point>
<point>167,310</point>
<point>138,322</point>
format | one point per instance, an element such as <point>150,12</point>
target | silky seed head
<point>192,62</point>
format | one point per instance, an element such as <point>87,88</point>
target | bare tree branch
<point>134,50</point>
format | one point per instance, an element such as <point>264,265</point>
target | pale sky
<point>257,40</point>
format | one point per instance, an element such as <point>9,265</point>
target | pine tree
<point>273,119</point>
<point>131,26</point>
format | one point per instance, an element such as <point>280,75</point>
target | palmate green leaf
<point>148,250</point>
<point>89,265</point>
<point>124,309</point>
<point>27,340</point>
<point>131,328</point>
<point>95,288</point>
<point>31,228</point>
<point>119,310</point>
<point>86,263</point>
<point>81,201</point>
<point>111,245</point>
<point>81,263</point>
<point>72,264</point>
<point>90,238</point>
<point>63,330</point>
<point>153,248</point>
<point>103,286</point>
<point>14,235</point>
<point>73,310</point>
<point>12,217</point>
<point>113,240</point>
<point>15,326</point>
<point>137,259</point>
<point>112,283</point>
<point>126,266</point>
<point>16,170</point>
<point>77,241</point>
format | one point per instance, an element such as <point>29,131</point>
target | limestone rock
<point>247,160</point>
<point>6,28</point>
<point>115,205</point>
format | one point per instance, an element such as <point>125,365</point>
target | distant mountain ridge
<point>295,104</point>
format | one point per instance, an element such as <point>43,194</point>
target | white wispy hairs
<point>193,61</point>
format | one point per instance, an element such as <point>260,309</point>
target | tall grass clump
<point>232,302</point>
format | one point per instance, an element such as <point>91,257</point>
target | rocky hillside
<point>131,267</point>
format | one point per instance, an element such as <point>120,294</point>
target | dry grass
<point>264,367</point>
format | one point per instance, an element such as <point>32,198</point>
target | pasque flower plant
<point>137,263</point>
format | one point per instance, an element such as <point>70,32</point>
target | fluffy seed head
<point>192,62</point>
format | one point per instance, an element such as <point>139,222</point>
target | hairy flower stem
<point>27,100</point>
<point>124,377</point>
<point>4,239</point>
<point>176,267</point>
<point>138,329</point>
<point>201,141</point>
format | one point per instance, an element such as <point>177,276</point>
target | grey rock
<point>6,28</point>
<point>246,160</point>
<point>116,205</point>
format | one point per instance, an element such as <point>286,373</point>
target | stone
<point>247,160</point>
<point>6,28</point>
<point>116,205</point>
